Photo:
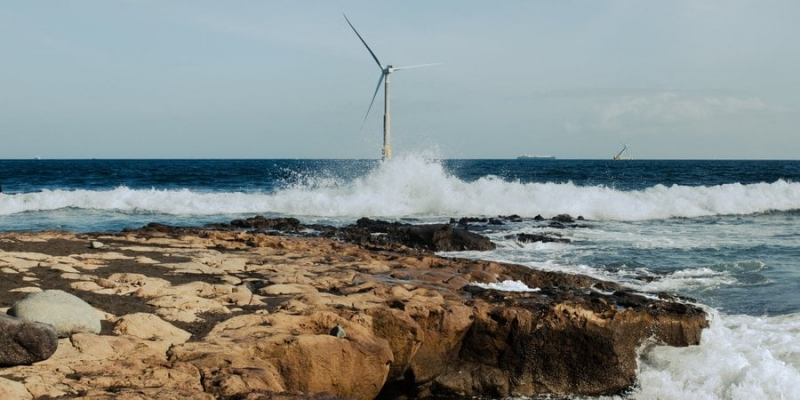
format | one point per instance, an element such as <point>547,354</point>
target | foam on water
<point>417,187</point>
<point>507,286</point>
<point>739,357</point>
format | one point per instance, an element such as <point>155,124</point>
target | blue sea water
<point>726,233</point>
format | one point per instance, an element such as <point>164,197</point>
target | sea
<point>725,233</point>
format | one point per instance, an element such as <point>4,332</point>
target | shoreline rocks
<point>194,313</point>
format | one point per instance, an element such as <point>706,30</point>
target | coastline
<point>262,310</point>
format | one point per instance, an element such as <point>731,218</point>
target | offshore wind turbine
<point>385,72</point>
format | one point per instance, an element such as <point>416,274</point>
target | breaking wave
<point>416,187</point>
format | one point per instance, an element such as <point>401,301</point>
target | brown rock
<point>414,324</point>
<point>25,342</point>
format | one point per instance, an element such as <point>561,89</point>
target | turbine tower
<point>385,72</point>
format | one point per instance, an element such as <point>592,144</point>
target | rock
<point>259,222</point>
<point>261,319</point>
<point>563,218</point>
<point>511,218</point>
<point>429,237</point>
<point>577,345</point>
<point>533,237</point>
<point>151,327</point>
<point>96,245</point>
<point>13,390</point>
<point>443,237</point>
<point>25,342</point>
<point>470,220</point>
<point>289,353</point>
<point>66,313</point>
<point>338,331</point>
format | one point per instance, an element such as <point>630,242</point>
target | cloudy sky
<point>289,79</point>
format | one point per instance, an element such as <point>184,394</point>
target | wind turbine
<point>385,72</point>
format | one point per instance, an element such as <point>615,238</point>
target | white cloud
<point>671,108</point>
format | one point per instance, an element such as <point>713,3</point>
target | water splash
<point>418,186</point>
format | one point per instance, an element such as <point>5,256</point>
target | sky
<point>289,79</point>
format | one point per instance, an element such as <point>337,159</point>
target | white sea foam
<point>507,286</point>
<point>416,187</point>
<point>740,357</point>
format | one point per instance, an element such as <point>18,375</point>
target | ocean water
<point>726,233</point>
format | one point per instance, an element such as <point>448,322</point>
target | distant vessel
<point>535,157</point>
<point>627,155</point>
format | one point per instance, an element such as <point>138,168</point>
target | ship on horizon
<point>535,157</point>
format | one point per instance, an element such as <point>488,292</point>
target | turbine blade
<point>362,41</point>
<point>414,66</point>
<point>374,95</point>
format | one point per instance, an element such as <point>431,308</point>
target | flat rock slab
<point>25,342</point>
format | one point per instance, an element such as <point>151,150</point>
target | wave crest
<point>416,187</point>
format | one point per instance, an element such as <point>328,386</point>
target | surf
<point>418,187</point>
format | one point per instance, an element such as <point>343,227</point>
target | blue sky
<point>289,79</point>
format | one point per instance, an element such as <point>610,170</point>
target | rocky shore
<point>238,313</point>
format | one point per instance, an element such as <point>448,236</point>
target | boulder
<point>443,237</point>
<point>65,312</point>
<point>25,342</point>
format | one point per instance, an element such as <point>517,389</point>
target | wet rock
<point>472,220</point>
<point>262,223</point>
<point>67,313</point>
<point>532,238</point>
<point>510,218</point>
<point>430,237</point>
<point>443,237</point>
<point>563,218</point>
<point>25,342</point>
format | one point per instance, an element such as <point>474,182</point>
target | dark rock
<point>511,218</point>
<point>538,217</point>
<point>262,223</point>
<point>443,237</point>
<point>532,237</point>
<point>429,237</point>
<point>564,218</point>
<point>338,331</point>
<point>567,344</point>
<point>155,227</point>
<point>24,342</point>
<point>472,220</point>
